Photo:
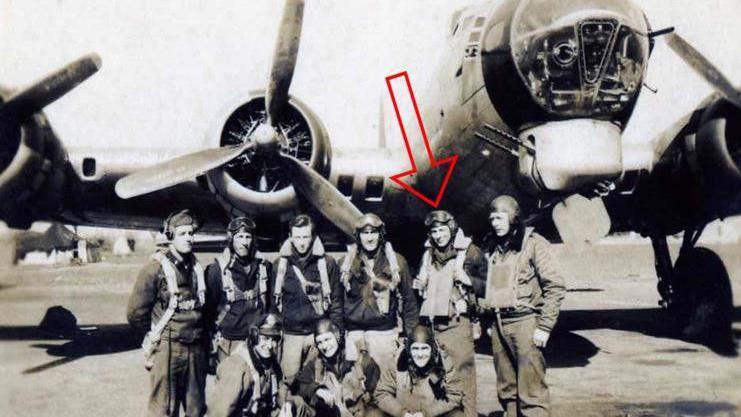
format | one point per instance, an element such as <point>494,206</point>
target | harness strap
<point>155,333</point>
<point>225,262</point>
<point>324,278</point>
<point>393,264</point>
<point>352,251</point>
<point>461,244</point>
<point>285,252</point>
<point>200,283</point>
<point>424,272</point>
<point>233,293</point>
<point>262,284</point>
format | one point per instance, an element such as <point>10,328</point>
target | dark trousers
<point>520,368</point>
<point>178,379</point>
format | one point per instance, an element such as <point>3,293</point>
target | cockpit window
<point>580,57</point>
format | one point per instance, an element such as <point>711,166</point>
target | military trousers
<point>226,347</point>
<point>382,346</point>
<point>520,368</point>
<point>455,338</point>
<point>294,353</point>
<point>178,379</point>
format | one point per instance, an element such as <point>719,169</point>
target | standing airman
<point>378,292</point>
<point>451,274</point>
<point>524,289</point>
<point>168,300</point>
<point>306,288</point>
<point>238,287</point>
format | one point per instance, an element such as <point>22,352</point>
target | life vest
<point>320,306</point>
<point>501,279</point>
<point>460,244</point>
<point>352,252</point>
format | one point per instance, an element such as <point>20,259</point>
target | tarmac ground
<point>613,353</point>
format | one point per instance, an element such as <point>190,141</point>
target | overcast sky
<point>170,67</point>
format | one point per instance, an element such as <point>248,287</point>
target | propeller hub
<point>266,138</point>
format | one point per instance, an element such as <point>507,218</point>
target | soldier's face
<point>301,239</point>
<point>370,239</point>
<point>182,238</point>
<point>421,353</point>
<point>266,346</point>
<point>241,243</point>
<point>440,235</point>
<point>327,344</point>
<point>499,222</point>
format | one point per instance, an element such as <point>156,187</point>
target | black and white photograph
<point>371,208</point>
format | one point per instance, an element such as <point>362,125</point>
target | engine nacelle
<point>253,184</point>
<point>718,144</point>
<point>32,170</point>
<point>697,179</point>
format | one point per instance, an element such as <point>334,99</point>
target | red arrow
<point>435,164</point>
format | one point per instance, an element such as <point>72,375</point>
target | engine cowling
<point>256,184</point>
<point>698,178</point>
<point>32,170</point>
<point>718,144</point>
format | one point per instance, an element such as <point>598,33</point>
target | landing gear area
<point>696,292</point>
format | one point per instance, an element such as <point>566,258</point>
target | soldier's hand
<point>401,342</point>
<point>461,306</point>
<point>540,338</point>
<point>464,279</point>
<point>417,284</point>
<point>326,396</point>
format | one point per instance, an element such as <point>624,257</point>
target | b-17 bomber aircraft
<point>532,95</point>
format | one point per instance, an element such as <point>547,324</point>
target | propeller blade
<point>322,195</point>
<point>50,88</point>
<point>177,170</point>
<point>284,59</point>
<point>698,62</point>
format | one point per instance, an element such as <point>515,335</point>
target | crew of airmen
<point>307,336</point>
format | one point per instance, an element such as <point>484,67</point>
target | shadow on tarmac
<point>678,408</point>
<point>567,349</point>
<point>102,340</point>
<point>60,324</point>
<point>649,321</point>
